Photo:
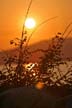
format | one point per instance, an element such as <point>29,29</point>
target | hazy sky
<point>12,14</point>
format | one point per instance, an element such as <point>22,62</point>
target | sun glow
<point>30,23</point>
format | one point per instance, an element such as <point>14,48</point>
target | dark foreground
<point>30,97</point>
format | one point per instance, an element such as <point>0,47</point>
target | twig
<point>45,21</point>
<point>66,29</point>
<point>62,76</point>
<point>29,6</point>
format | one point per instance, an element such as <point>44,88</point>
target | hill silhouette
<point>67,50</point>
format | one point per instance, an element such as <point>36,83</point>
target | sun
<point>30,23</point>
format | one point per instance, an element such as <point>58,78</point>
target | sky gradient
<point>12,13</point>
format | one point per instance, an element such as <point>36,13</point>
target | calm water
<point>63,69</point>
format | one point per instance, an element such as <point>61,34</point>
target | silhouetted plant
<point>51,64</point>
<point>15,73</point>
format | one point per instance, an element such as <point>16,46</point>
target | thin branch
<point>67,35</point>
<point>29,6</point>
<point>66,29</point>
<point>45,21</point>
<point>42,23</point>
<point>62,76</point>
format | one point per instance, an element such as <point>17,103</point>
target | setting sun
<point>30,23</point>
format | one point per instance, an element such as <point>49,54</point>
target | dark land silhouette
<point>67,50</point>
<point>30,97</point>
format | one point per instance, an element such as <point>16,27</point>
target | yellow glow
<point>34,74</point>
<point>30,23</point>
<point>39,85</point>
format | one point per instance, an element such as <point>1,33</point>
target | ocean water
<point>63,67</point>
<point>62,70</point>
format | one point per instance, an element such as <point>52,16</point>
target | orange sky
<point>12,14</point>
